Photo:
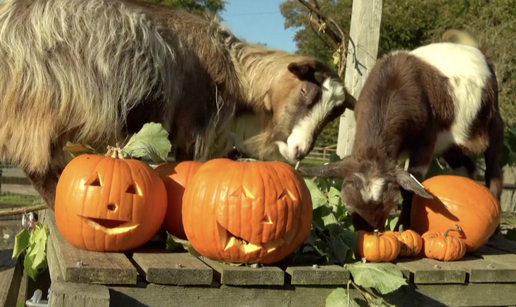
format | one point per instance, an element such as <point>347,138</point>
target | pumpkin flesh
<point>246,212</point>
<point>109,204</point>
<point>457,200</point>
<point>377,246</point>
<point>175,176</point>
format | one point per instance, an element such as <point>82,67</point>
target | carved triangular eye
<point>243,190</point>
<point>286,192</point>
<point>267,219</point>
<point>133,189</point>
<point>94,181</point>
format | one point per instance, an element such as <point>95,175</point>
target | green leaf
<point>334,157</point>
<point>349,238</point>
<point>78,149</point>
<point>21,241</point>
<point>40,247</point>
<point>339,298</point>
<point>27,265</point>
<point>383,278</point>
<point>173,243</point>
<point>151,141</point>
<point>318,198</point>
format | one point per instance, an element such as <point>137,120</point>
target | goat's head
<point>370,188</point>
<point>307,96</point>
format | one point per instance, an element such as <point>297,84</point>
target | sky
<point>259,21</point>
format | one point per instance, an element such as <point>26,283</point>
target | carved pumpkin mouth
<point>229,240</point>
<point>109,226</point>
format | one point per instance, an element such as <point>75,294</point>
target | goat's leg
<point>493,156</point>
<point>457,159</point>
<point>418,166</point>
<point>45,183</point>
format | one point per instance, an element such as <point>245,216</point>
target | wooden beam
<point>363,49</point>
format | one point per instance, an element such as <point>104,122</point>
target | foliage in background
<point>407,24</point>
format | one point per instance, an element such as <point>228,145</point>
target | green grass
<point>17,199</point>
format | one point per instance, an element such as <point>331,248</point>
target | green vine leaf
<point>21,241</point>
<point>318,198</point>
<point>383,278</point>
<point>340,298</point>
<point>173,243</point>
<point>151,141</point>
<point>76,149</point>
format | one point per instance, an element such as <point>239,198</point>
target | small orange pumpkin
<point>441,246</point>
<point>411,242</point>
<point>457,200</point>
<point>246,212</point>
<point>108,203</point>
<point>176,176</point>
<point>377,246</point>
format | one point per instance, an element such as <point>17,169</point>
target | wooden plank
<point>431,271</point>
<point>481,270</point>
<point>10,278</point>
<point>318,275</point>
<point>86,266</point>
<point>173,268</point>
<point>249,276</point>
<point>496,256</point>
<point>65,294</point>
<point>364,34</point>
<point>500,242</point>
<point>432,295</point>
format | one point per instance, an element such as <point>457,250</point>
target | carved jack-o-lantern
<point>109,204</point>
<point>246,212</point>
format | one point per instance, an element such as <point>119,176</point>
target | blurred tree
<point>407,24</point>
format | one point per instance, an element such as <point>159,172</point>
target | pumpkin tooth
<point>109,226</point>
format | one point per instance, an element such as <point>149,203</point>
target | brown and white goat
<point>95,71</point>
<point>437,100</point>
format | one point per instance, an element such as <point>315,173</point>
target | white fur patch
<point>301,137</point>
<point>373,190</point>
<point>467,71</point>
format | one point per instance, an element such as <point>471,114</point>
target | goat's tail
<point>459,37</point>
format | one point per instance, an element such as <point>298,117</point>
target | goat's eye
<point>304,92</point>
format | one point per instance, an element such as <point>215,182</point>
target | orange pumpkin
<point>175,176</point>
<point>411,242</point>
<point>109,204</point>
<point>246,212</point>
<point>442,246</point>
<point>377,246</point>
<point>457,200</point>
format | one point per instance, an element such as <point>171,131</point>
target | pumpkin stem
<point>401,228</point>
<point>457,229</point>
<point>375,232</point>
<point>115,152</point>
<point>247,160</point>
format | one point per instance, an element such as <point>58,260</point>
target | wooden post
<point>364,35</point>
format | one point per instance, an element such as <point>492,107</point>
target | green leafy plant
<point>333,240</point>
<point>34,240</point>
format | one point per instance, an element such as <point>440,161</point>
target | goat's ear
<point>410,183</point>
<point>350,101</point>
<point>331,170</point>
<point>300,69</point>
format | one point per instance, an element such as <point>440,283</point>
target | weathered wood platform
<point>154,277</point>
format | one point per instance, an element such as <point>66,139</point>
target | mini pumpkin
<point>377,246</point>
<point>441,246</point>
<point>246,212</point>
<point>457,200</point>
<point>108,203</point>
<point>176,176</point>
<point>411,242</point>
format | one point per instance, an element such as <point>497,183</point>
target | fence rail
<point>322,153</point>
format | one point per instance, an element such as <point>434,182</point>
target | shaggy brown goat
<point>95,71</point>
<point>437,100</point>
